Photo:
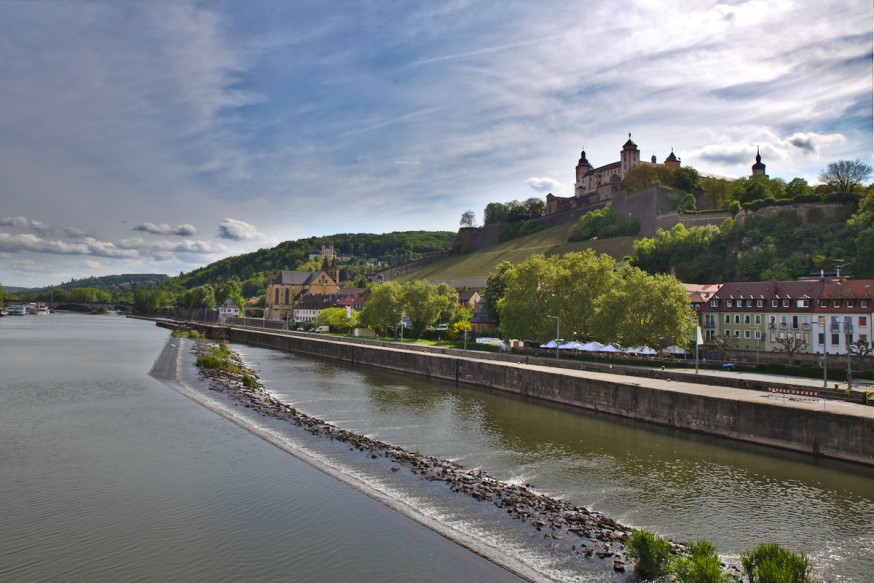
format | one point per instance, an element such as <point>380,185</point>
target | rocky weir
<point>589,535</point>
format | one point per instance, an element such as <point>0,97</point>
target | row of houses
<point>299,296</point>
<point>815,316</point>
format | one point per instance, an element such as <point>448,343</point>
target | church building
<point>287,288</point>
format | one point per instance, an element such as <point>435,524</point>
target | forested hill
<point>389,248</point>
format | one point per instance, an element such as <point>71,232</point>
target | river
<point>108,473</point>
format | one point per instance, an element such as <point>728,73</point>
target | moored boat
<point>40,310</point>
<point>17,310</point>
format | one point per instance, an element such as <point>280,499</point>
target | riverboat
<point>17,310</point>
<point>40,310</point>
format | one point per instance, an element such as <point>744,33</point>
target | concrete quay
<point>833,429</point>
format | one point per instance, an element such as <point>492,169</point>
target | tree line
<point>589,297</point>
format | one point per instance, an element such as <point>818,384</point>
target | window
<point>747,334</point>
<point>820,338</point>
<point>737,318</point>
<point>849,303</point>
<point>758,334</point>
<point>785,303</point>
<point>737,333</point>
<point>747,319</point>
<point>802,303</point>
<point>286,296</point>
<point>728,319</point>
<point>775,303</point>
<point>749,303</point>
<point>276,296</point>
<point>864,303</point>
<point>758,319</point>
<point>784,322</point>
<point>714,303</point>
<point>795,322</point>
<point>863,321</point>
<point>758,303</point>
<point>823,303</point>
<point>836,339</point>
<point>729,303</point>
<point>836,303</point>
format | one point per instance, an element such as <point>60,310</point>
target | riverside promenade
<point>733,405</point>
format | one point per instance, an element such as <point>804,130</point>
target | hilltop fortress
<point>595,187</point>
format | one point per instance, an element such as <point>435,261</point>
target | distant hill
<point>389,249</point>
<point>113,283</point>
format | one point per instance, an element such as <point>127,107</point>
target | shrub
<point>249,382</point>
<point>213,362</point>
<point>771,563</point>
<point>701,566</point>
<point>649,552</point>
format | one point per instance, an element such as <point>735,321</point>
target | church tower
<point>758,167</point>
<point>583,168</point>
<point>629,157</point>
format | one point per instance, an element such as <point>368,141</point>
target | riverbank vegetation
<point>656,558</point>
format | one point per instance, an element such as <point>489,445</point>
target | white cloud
<point>238,231</point>
<point>24,223</point>
<point>545,184</point>
<point>165,229</point>
<point>88,246</point>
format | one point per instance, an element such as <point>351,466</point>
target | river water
<point>109,474</point>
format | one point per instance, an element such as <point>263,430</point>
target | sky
<point>158,137</point>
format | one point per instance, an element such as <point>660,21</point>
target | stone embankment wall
<point>818,432</point>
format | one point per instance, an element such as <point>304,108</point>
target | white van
<point>322,329</point>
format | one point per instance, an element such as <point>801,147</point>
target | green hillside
<point>479,264</point>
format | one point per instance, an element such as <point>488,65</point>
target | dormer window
<point>775,303</point>
<point>729,303</point>
<point>864,303</point>
<point>850,303</point>
<point>823,303</point>
<point>749,303</point>
<point>714,303</point>
<point>785,303</point>
<point>836,303</point>
<point>758,303</point>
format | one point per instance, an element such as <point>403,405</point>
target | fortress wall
<point>818,432</point>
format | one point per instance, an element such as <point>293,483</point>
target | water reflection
<point>684,485</point>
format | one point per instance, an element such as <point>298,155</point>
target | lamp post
<point>557,322</point>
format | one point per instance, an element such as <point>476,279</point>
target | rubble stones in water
<point>519,500</point>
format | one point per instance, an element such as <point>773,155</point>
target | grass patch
<point>701,566</point>
<point>650,553</point>
<point>216,363</point>
<point>549,241</point>
<point>771,563</point>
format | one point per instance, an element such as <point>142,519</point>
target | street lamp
<point>557,322</point>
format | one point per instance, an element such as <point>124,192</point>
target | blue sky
<point>157,137</point>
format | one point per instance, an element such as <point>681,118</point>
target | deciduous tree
<point>424,303</point>
<point>845,175</point>
<point>648,310</point>
<point>384,308</point>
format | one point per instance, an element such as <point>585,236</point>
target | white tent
<point>572,345</point>
<point>611,348</point>
<point>674,350</point>
<point>645,350</point>
<point>550,344</point>
<point>592,346</point>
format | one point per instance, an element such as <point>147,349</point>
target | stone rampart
<point>817,432</point>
